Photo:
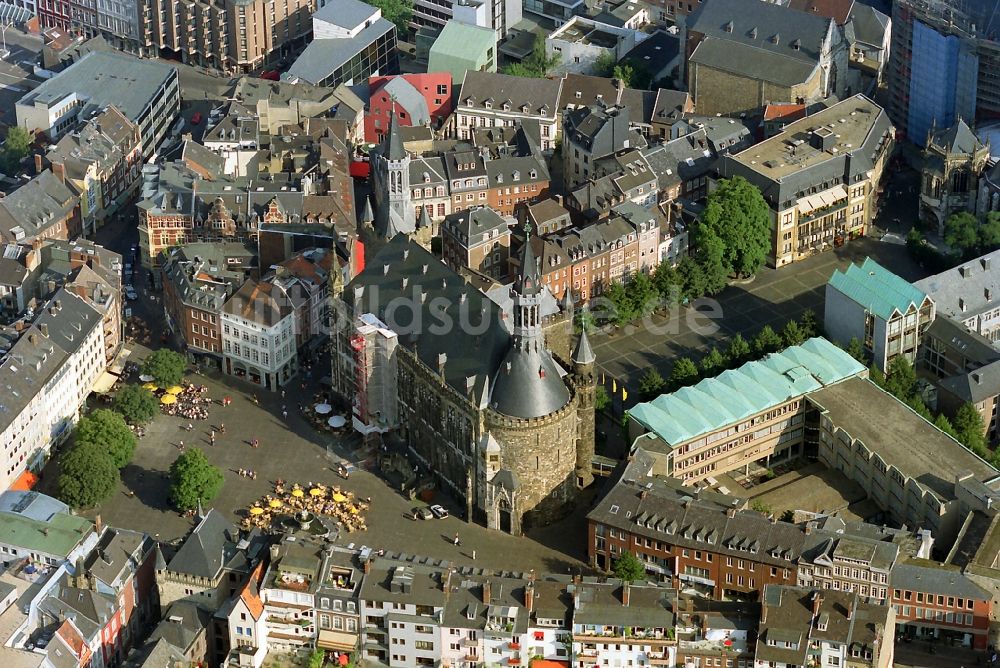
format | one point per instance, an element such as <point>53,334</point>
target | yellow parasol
<point>298,493</point>
<point>256,510</point>
<point>168,399</point>
<point>152,387</point>
<point>338,497</point>
<point>315,491</point>
<point>354,510</point>
<point>176,389</point>
<point>275,503</point>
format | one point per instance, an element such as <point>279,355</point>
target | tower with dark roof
<point>585,381</point>
<point>394,210</point>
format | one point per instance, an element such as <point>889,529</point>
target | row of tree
<point>686,371</point>
<point>103,444</point>
<point>732,238</point>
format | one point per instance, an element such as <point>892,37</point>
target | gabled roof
<point>959,138</point>
<point>877,289</point>
<point>208,548</point>
<point>739,393</point>
<point>541,96</point>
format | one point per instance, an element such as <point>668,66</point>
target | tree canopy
<point>969,428</point>
<point>165,366</point>
<point>108,431</point>
<point>738,351</point>
<point>651,384</point>
<point>136,404</point>
<point>87,476</point>
<point>398,11</point>
<point>739,216</point>
<point>683,373</point>
<point>194,478</point>
<point>537,64</point>
<point>856,350</point>
<point>961,233</point>
<point>627,567</point>
<point>901,379</point>
<point>767,341</point>
<point>15,148</point>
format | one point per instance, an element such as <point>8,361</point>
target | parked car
<point>422,514</point>
<point>440,512</point>
<point>196,118</point>
<point>271,75</point>
<point>130,293</point>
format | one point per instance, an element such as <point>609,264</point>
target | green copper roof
<point>737,394</point>
<point>58,536</point>
<point>877,289</point>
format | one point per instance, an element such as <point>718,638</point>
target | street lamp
<point>3,35</point>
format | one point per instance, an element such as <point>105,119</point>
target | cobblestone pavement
<point>293,450</point>
<point>772,298</point>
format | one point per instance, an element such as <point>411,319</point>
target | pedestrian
<point>284,414</point>
<point>457,542</point>
<point>282,394</point>
<point>473,555</point>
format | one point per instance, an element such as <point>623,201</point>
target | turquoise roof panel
<point>877,289</point>
<point>740,393</point>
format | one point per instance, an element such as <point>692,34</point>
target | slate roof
<point>118,553</point>
<point>345,13</point>
<point>869,24</point>
<point>921,576</point>
<point>422,582</point>
<point>755,24</point>
<point>751,62</point>
<point>650,605</point>
<point>957,139</point>
<point>34,207</point>
<point>262,302</point>
<point>468,355</point>
<point>965,296</point>
<point>209,548</point>
<point>471,224</point>
<point>974,386</point>
<point>582,90</point>
<point>467,607</point>
<point>513,170</point>
<point>583,353</point>
<point>739,393</point>
<point>540,95</point>
<point>877,289</point>
<point>656,51</point>
<point>974,347</point>
<point>663,508</point>
<point>838,10</point>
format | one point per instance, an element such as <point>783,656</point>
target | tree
<point>537,64</point>
<point>601,398</point>
<point>808,324</point>
<point>88,477</point>
<point>944,424</point>
<point>760,507</point>
<point>901,379</point>
<point>738,214</point>
<point>316,658</point>
<point>623,310</point>
<point>792,334</point>
<point>968,424</point>
<point>692,278</point>
<point>856,350</point>
<point>961,233</point>
<point>15,148</point>
<point>766,341</point>
<point>683,373</point>
<point>713,362</point>
<point>604,65</point>
<point>641,293</point>
<point>108,431</point>
<point>398,11</point>
<point>876,376</point>
<point>738,351</point>
<point>989,232</point>
<point>628,568</point>
<point>788,516</point>
<point>667,282</point>
<point>136,404</point>
<point>583,320</point>
<point>651,384</point>
<point>165,366</point>
<point>194,478</point>
<point>633,74</point>
<point>709,253</point>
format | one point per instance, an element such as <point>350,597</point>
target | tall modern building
<point>944,63</point>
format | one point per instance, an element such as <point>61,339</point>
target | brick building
<point>416,99</point>
<point>479,239</point>
<point>938,602</point>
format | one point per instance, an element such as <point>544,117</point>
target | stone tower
<point>394,210</point>
<point>585,381</point>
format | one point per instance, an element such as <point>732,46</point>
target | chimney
<point>33,339</point>
<point>39,165</point>
<point>625,593</point>
<point>44,328</point>
<point>763,612</point>
<point>731,512</point>
<point>275,551</point>
<point>817,601</point>
<point>529,596</point>
<point>809,528</point>
<point>59,171</point>
<point>486,592</point>
<point>442,360</point>
<point>965,271</point>
<point>850,609</point>
<point>367,566</point>
<point>98,523</point>
<point>985,261</point>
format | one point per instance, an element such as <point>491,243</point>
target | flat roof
<point>849,121</point>
<point>903,439</point>
<point>57,536</point>
<point>737,394</point>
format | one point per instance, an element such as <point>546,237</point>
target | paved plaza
<point>295,451</point>
<point>772,298</point>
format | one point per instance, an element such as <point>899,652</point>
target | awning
<point>345,642</point>
<point>104,384</point>
<point>118,365</point>
<point>25,482</point>
<point>549,663</point>
<point>810,203</point>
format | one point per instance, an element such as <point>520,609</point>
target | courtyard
<point>292,450</point>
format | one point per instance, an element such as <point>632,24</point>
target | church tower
<point>394,210</point>
<point>585,381</point>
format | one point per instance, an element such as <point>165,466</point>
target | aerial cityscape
<point>488,333</point>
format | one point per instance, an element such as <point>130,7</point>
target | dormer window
<point>468,102</point>
<point>506,106</point>
<point>534,174</point>
<point>488,104</point>
<point>499,178</point>
<point>517,175</point>
<point>524,108</point>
